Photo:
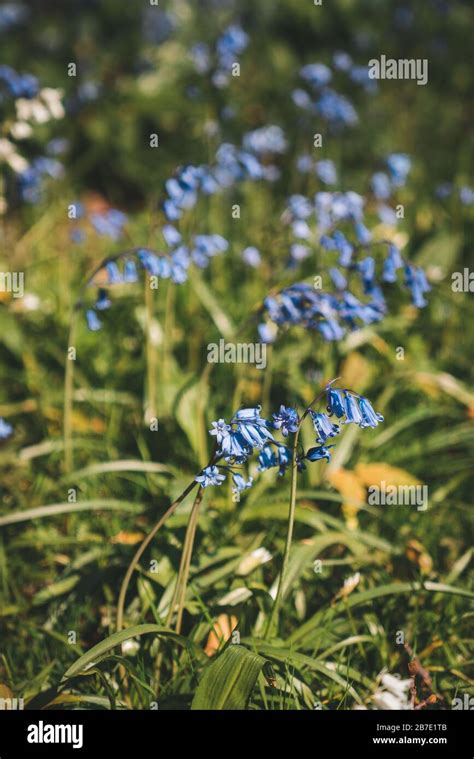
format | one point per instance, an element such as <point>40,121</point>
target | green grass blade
<point>228,681</point>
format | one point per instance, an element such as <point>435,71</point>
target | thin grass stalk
<point>151,356</point>
<point>187,553</point>
<point>143,546</point>
<point>273,619</point>
<point>69,396</point>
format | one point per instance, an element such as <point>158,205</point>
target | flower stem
<point>273,619</point>
<point>179,595</point>
<point>151,353</point>
<point>142,549</point>
<point>68,396</point>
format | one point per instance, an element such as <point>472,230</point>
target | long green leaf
<point>65,508</point>
<point>98,652</point>
<point>228,681</point>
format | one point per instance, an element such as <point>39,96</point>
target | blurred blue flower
<point>6,429</point>
<point>286,420</point>
<point>210,475</point>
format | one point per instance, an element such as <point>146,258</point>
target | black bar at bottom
<point>371,733</point>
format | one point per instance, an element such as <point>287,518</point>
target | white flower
<point>394,694</point>
<point>21,130</point>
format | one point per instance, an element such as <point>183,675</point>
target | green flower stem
<point>151,355</point>
<point>142,549</point>
<point>68,396</point>
<point>273,619</point>
<point>181,584</point>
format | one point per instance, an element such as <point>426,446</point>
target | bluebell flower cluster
<point>16,85</point>
<point>321,99</point>
<point>23,105</point>
<point>182,193</point>
<point>31,179</point>
<point>109,222</point>
<point>249,433</point>
<point>232,165</point>
<point>219,61</point>
<point>12,14</point>
<point>333,314</point>
<point>446,190</point>
<point>173,265</point>
<point>356,274</point>
<point>384,183</point>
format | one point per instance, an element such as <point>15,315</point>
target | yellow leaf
<point>417,554</point>
<point>127,538</point>
<point>352,492</point>
<point>355,372</point>
<point>5,692</point>
<point>220,633</point>
<point>376,473</point>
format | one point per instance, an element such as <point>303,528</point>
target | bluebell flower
<point>150,261</point>
<point>93,321</point>
<point>360,75</point>
<point>252,428</point>
<point>103,301</point>
<point>267,139</point>
<point>370,418</point>
<point>6,429</point>
<point>171,235</point>
<point>113,273</point>
<point>381,185</point>
<point>335,402</point>
<point>323,426</point>
<point>300,207</point>
<point>444,190</point>
<point>336,109</point>
<point>235,448</point>
<point>267,458</point>
<point>200,54</point>
<point>387,215</point>
<point>392,263</point>
<point>130,273</point>
<point>344,247</point>
<point>270,457</point>
<point>317,74</point>
<point>351,409</point>
<point>301,99</point>
<point>399,165</point>
<point>338,278</point>
<point>366,268</point>
<point>304,163</point>
<point>267,332</point>
<point>109,223</point>
<point>363,235</point>
<point>321,452</point>
<point>286,420</point>
<point>342,61</point>
<point>240,483</point>
<point>326,171</point>
<point>331,330</point>
<point>299,252</point>
<point>284,456</point>
<point>251,256</point>
<point>301,229</point>
<point>220,430</point>
<point>466,196</point>
<point>415,280</point>
<point>210,475</point>
<point>232,42</point>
